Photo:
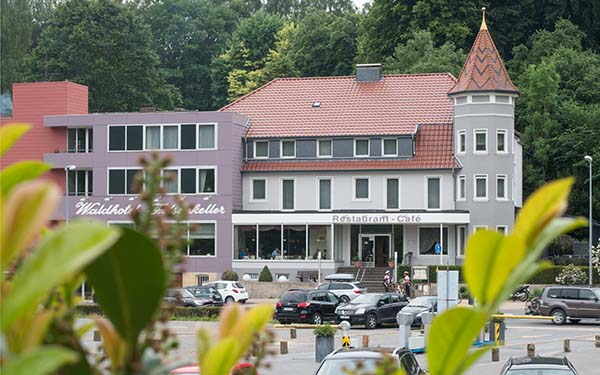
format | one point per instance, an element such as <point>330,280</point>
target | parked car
<point>345,290</point>
<point>419,305</point>
<point>570,302</point>
<point>231,291</point>
<point>207,292</point>
<point>372,309</point>
<point>306,306</point>
<point>183,297</point>
<point>239,369</point>
<point>365,360</point>
<point>538,366</point>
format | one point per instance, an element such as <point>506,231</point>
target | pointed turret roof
<point>484,69</point>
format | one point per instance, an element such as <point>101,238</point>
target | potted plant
<point>357,262</point>
<point>324,341</point>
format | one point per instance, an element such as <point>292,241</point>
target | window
<point>287,194</point>
<point>288,149</point>
<point>361,188</point>
<point>461,100</point>
<point>392,186</point>
<point>361,147</point>
<point>479,227</point>
<point>170,137</point>
<point>501,141</point>
<point>325,148</point>
<point>480,99</point>
<point>152,137</point>
<point>245,242</point>
<point>461,189</point>
<point>501,185</point>
<point>261,149</point>
<point>587,295</point>
<point>433,193</point>
<point>481,187</point>
<point>569,294</point>
<point>188,137</point>
<point>188,180</point>
<point>461,142</point>
<point>319,240</point>
<point>554,293</point>
<point>480,141</point>
<point>269,240</point>
<point>294,242</point>
<point>116,138</point>
<point>80,182</point>
<point>135,137</point>
<point>206,136</point>
<point>502,229</point>
<point>324,194</point>
<point>171,181</point>
<point>80,139</point>
<point>201,239</point>
<point>390,147</point>
<point>120,181</point>
<point>259,189</point>
<point>206,180</point>
<point>461,240</point>
<point>502,99</point>
<point>429,237</point>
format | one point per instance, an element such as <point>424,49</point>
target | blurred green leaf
<point>129,281</point>
<point>220,359</point>
<point>9,134</point>
<point>39,361</point>
<point>19,172</point>
<point>57,258</point>
<point>451,336</point>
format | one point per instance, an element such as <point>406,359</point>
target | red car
<point>240,369</point>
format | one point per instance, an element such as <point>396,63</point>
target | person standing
<point>387,281</point>
<point>406,284</point>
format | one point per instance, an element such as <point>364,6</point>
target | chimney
<point>368,72</point>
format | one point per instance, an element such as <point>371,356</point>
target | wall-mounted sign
<point>369,219</point>
<point>117,209</point>
<point>420,273</point>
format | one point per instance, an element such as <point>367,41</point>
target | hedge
<point>176,311</point>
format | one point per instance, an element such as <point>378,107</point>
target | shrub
<point>229,275</point>
<point>325,331</point>
<point>176,312</point>
<point>572,275</point>
<point>265,275</point>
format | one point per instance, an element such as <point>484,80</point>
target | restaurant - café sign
<point>116,209</point>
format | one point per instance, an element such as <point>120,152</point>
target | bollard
<point>293,333</point>
<point>495,354</point>
<point>96,335</point>
<point>283,347</point>
<point>365,341</point>
<point>427,318</point>
<point>531,350</point>
<point>567,346</point>
<point>404,321</point>
<point>597,341</point>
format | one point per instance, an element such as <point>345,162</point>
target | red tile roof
<point>484,70</point>
<point>433,150</point>
<point>394,105</point>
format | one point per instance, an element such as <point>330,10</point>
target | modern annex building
<point>355,168</point>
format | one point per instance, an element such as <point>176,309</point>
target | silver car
<point>346,291</point>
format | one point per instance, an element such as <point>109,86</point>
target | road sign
<point>438,248</point>
<point>345,341</point>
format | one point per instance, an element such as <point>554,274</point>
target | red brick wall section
<point>33,101</point>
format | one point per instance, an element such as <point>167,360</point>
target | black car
<point>208,293</point>
<point>306,306</point>
<point>183,297</point>
<point>366,360</point>
<point>538,365</point>
<point>372,309</point>
<point>420,305</point>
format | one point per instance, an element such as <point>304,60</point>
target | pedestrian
<point>387,281</point>
<point>406,284</point>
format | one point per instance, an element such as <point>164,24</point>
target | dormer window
<point>361,147</point>
<point>390,147</point>
<point>261,149</point>
<point>288,149</point>
<point>325,148</point>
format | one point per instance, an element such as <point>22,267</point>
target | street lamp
<point>589,159</point>
<point>68,168</point>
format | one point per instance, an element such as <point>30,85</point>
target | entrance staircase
<point>372,277</point>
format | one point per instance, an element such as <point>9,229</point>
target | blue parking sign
<point>438,248</point>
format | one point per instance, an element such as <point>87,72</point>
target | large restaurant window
<point>287,194</point>
<point>120,181</point>
<point>319,239</point>
<point>294,241</point>
<point>80,140</point>
<point>392,193</point>
<point>201,239</point>
<point>80,182</point>
<point>269,239</point>
<point>433,193</point>
<point>429,237</point>
<point>325,194</point>
<point>245,242</point>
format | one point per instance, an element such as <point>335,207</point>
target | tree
<point>187,34</point>
<point>419,55</point>
<point>265,275</point>
<point>104,45</point>
<point>299,9</point>
<point>15,39</point>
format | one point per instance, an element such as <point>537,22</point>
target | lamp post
<point>589,159</point>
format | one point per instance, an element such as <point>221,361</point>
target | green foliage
<point>11,134</point>
<point>325,330</point>
<point>229,275</point>
<point>548,275</point>
<point>19,172</point>
<point>265,275</point>
<point>40,361</point>
<point>494,266</point>
<point>420,55</point>
<point>572,275</point>
<point>15,40</point>
<point>175,312</point>
<point>104,45</point>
